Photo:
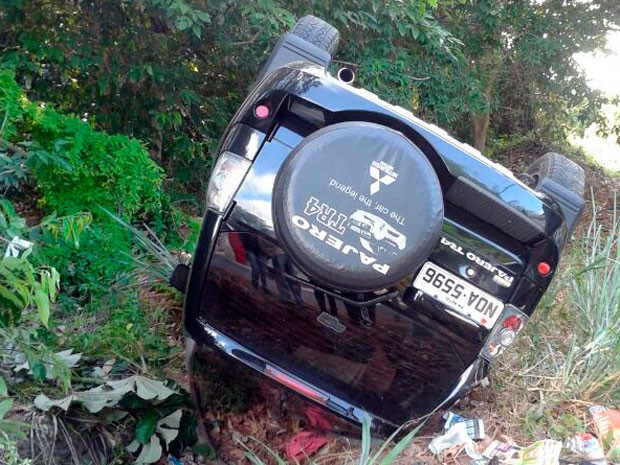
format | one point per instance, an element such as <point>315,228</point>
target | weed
<point>118,326</point>
<point>571,349</point>
<point>8,452</point>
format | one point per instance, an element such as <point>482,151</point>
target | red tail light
<point>295,385</point>
<point>504,333</point>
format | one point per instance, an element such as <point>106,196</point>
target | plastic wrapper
<point>545,452</point>
<point>475,427</point>
<point>455,436</point>
<point>587,447</point>
<point>607,426</point>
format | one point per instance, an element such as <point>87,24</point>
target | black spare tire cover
<point>358,206</point>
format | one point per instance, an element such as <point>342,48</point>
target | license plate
<point>459,295</point>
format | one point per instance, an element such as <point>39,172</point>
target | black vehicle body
<point>392,352</point>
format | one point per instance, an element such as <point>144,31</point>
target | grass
<point>570,354</point>
<point>384,454</point>
<point>121,327</point>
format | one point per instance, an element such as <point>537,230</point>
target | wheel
<point>558,168</point>
<point>318,33</point>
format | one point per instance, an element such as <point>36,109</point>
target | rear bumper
<point>469,379</point>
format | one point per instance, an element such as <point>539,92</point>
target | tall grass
<point>592,365</point>
<point>572,347</point>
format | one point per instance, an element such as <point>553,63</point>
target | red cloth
<point>303,444</point>
<point>306,443</point>
<point>316,418</point>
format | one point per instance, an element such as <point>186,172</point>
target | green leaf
<point>38,371</point>
<point>366,438</point>
<point>182,23</point>
<point>145,427</point>
<point>5,406</point>
<point>151,452</point>
<point>203,16</point>
<point>3,389</point>
<point>400,446</point>
<point>43,306</point>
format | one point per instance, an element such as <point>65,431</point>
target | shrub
<point>76,167</point>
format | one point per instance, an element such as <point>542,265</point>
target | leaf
<point>112,416</point>
<point>168,427</point>
<point>205,450</point>
<point>68,357</point>
<point>173,420</point>
<point>5,406</point>
<point>43,306</point>
<point>145,427</point>
<point>42,402</point>
<point>96,399</point>
<point>38,371</point>
<point>123,385</point>
<point>3,389</point>
<point>151,452</point>
<point>150,389</point>
<point>400,446</point>
<point>203,16</point>
<point>167,434</point>
<point>133,446</point>
<point>364,453</point>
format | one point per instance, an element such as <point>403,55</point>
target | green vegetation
<point>573,349</point>
<point>110,113</point>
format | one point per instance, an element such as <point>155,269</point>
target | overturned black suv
<point>360,256</point>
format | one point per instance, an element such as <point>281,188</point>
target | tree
<point>516,72</point>
<point>172,72</point>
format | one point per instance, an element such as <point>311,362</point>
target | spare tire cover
<point>358,206</point>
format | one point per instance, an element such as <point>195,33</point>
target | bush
<point>76,167</point>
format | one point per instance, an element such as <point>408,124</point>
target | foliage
<point>7,427</point>
<point>122,326</point>
<point>516,72</point>
<point>157,409</point>
<point>22,285</point>
<point>592,363</point>
<point>172,72</point>
<point>9,453</point>
<point>572,351</point>
<point>76,167</point>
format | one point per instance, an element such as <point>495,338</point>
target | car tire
<point>317,32</point>
<point>558,168</point>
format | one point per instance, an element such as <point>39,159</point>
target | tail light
<point>229,171</point>
<point>295,385</point>
<point>505,332</point>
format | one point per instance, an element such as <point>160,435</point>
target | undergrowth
<point>570,352</point>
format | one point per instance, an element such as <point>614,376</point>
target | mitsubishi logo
<point>382,173</point>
